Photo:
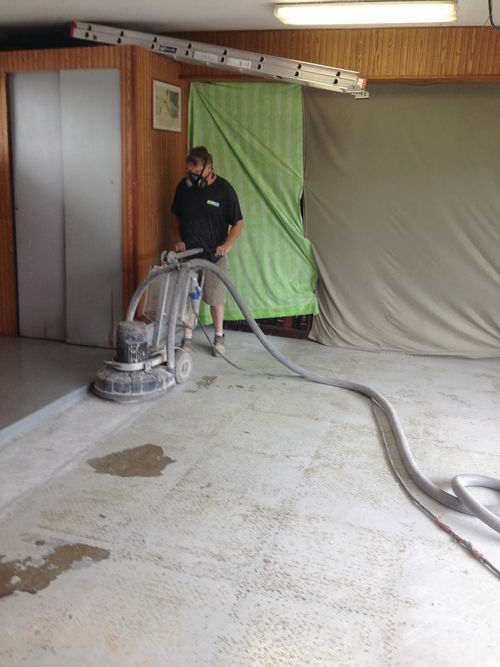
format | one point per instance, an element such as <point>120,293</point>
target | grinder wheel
<point>183,365</point>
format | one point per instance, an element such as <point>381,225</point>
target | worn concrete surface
<point>247,520</point>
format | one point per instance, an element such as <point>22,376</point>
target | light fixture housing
<point>369,12</point>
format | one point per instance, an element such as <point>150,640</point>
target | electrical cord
<point>455,536</point>
<point>465,544</point>
<point>239,368</point>
<point>460,501</point>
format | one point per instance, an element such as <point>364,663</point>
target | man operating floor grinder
<point>205,206</point>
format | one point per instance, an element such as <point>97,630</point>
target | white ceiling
<point>177,15</point>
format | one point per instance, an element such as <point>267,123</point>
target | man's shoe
<point>187,345</point>
<point>218,345</point>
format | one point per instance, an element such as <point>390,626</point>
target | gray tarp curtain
<point>402,208</point>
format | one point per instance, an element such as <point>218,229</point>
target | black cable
<point>465,544</point>
<point>375,402</point>
<point>245,370</point>
<point>490,12</point>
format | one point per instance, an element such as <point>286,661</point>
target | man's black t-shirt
<point>205,214</point>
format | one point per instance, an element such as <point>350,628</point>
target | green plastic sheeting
<point>255,133</point>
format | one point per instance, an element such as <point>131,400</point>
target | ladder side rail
<point>325,82</point>
<point>246,62</point>
<point>197,50</point>
<point>329,78</point>
<point>310,67</point>
<point>277,68</point>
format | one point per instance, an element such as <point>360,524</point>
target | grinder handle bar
<point>171,257</point>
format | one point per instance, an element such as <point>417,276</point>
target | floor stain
<point>206,381</point>
<point>19,575</point>
<point>143,461</point>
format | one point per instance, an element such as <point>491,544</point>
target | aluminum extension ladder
<point>246,62</point>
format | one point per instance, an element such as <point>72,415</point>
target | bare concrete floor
<point>249,520</point>
<point>40,376</point>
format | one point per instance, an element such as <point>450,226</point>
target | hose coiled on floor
<point>463,501</point>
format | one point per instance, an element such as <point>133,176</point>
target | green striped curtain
<point>255,133</point>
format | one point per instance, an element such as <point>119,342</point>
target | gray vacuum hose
<point>462,502</point>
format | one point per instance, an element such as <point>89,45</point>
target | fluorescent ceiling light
<point>370,12</point>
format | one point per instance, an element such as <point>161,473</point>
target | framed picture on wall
<point>166,107</point>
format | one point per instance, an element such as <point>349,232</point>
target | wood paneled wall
<point>152,160</point>
<point>161,161</point>
<point>451,54</point>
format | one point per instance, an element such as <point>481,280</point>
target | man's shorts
<point>214,290</point>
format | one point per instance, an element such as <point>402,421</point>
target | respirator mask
<point>197,180</point>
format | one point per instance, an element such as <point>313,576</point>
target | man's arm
<point>231,238</point>
<point>179,244</point>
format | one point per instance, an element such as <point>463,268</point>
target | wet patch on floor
<point>206,381</point>
<point>20,575</point>
<point>143,461</point>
